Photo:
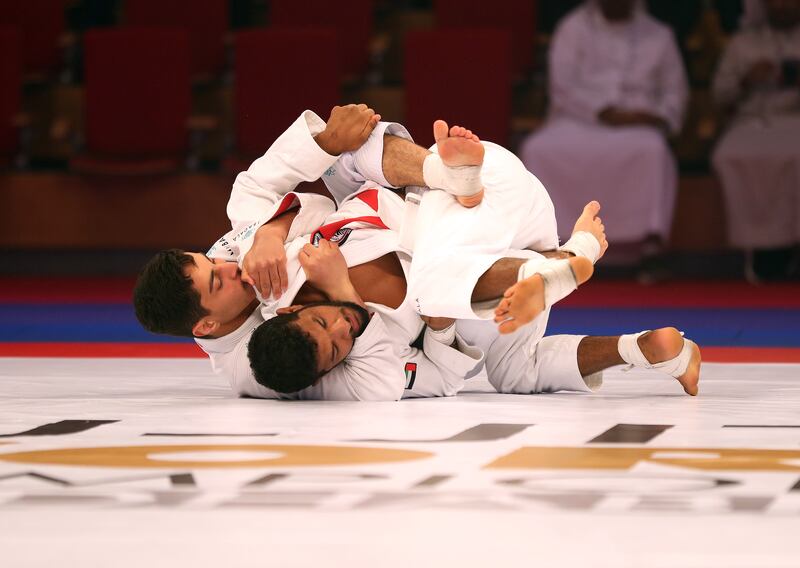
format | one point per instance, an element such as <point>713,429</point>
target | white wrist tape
<point>455,180</point>
<point>583,243</point>
<point>445,336</point>
<point>559,280</point>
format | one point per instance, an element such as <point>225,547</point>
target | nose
<point>341,327</point>
<point>229,270</point>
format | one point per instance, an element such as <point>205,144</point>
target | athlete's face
<point>221,289</point>
<point>783,14</point>
<point>334,327</point>
<point>617,10</point>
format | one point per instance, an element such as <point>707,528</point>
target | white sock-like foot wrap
<point>628,347</point>
<point>583,243</point>
<point>559,280</point>
<point>460,181</point>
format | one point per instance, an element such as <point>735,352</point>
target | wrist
<point>344,293</point>
<point>325,141</point>
<point>270,231</point>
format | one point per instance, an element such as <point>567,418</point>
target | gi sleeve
<point>293,158</point>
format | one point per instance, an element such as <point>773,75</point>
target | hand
<point>614,116</point>
<point>438,324</point>
<point>347,129</point>
<point>326,269</point>
<point>618,117</point>
<point>264,265</point>
<point>590,221</point>
<point>761,73</point>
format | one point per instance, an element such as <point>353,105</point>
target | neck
<point>237,322</point>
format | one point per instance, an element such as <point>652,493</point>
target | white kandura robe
<point>630,170</point>
<point>758,157</point>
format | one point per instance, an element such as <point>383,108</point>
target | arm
<point>674,87</point>
<point>303,153</point>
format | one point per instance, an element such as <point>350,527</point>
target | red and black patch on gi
<point>411,375</point>
<point>339,237</point>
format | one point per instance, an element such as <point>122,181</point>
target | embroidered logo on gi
<point>339,237</point>
<point>330,172</point>
<point>411,375</point>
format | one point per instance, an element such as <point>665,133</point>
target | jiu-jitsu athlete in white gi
<point>453,248</point>
<point>617,89</point>
<point>225,348</point>
<point>758,156</point>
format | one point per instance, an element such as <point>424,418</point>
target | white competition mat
<point>146,462</point>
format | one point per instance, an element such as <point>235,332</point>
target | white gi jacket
<point>382,364</point>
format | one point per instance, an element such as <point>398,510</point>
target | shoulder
<point>575,20</point>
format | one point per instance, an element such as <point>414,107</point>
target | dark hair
<point>282,356</point>
<point>164,299</point>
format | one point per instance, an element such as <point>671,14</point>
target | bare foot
<point>665,344</point>
<point>590,221</point>
<point>523,301</point>
<point>458,146</point>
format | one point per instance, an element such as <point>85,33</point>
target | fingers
<point>273,278</point>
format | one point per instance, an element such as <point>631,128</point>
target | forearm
<point>277,227</point>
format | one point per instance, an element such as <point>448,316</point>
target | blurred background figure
<point>758,157</point>
<point>617,89</point>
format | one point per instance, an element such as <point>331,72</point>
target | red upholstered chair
<point>205,20</point>
<point>10,86</point>
<point>517,16</point>
<point>352,19</point>
<point>41,23</point>
<point>278,74</point>
<point>462,76</point>
<point>137,101</point>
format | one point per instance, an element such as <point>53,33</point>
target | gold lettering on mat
<point>711,459</point>
<point>148,456</point>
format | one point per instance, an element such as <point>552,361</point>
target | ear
<point>205,327</point>
<point>289,309</point>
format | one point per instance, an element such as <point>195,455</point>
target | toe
<point>440,129</point>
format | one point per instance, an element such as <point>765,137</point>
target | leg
<point>402,161</point>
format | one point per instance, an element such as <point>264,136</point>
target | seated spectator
<point>758,157</point>
<point>617,90</point>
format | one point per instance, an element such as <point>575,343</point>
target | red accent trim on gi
<point>370,197</point>
<point>327,231</point>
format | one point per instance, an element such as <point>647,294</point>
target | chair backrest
<point>517,16</point>
<point>10,84</point>
<point>352,18</point>
<point>138,92</point>
<point>41,23</point>
<point>205,20</point>
<point>461,76</point>
<point>278,74</point>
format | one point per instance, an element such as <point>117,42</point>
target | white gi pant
<point>759,165</point>
<point>454,246</point>
<point>630,171</point>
